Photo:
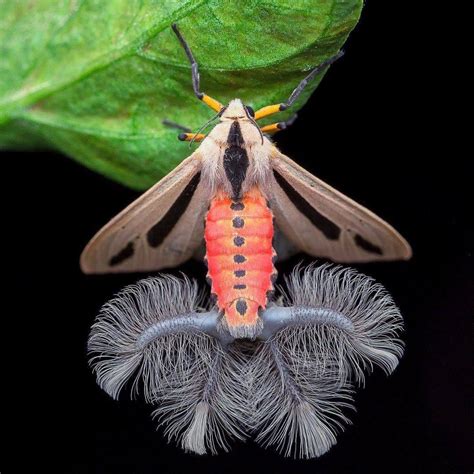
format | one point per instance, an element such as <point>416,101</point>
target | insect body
<point>289,386</point>
<point>228,192</point>
<point>240,257</point>
<point>239,223</point>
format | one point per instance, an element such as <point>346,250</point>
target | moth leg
<point>209,101</point>
<point>188,135</point>
<point>275,127</point>
<point>191,137</point>
<point>171,124</point>
<point>273,109</point>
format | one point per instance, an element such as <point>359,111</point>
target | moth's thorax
<point>234,110</point>
<point>235,158</point>
<point>250,133</point>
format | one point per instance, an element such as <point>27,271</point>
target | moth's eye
<point>250,111</point>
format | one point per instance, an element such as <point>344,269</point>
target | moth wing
<point>162,228</point>
<point>323,222</point>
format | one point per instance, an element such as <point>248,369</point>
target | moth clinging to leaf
<point>233,191</point>
<point>279,367</point>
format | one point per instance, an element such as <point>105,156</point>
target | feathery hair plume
<point>291,387</point>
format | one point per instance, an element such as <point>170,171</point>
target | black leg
<point>171,124</point>
<point>275,127</point>
<point>272,109</point>
<point>209,101</point>
<point>300,87</point>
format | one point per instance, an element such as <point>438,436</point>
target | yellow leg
<point>269,110</point>
<point>274,127</point>
<point>187,137</point>
<point>212,103</point>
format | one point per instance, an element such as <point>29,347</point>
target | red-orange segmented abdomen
<point>239,256</point>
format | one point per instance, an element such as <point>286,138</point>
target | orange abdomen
<point>240,256</point>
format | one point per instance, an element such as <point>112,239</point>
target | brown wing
<point>162,228</point>
<point>323,222</point>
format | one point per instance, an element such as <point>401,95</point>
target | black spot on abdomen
<point>237,206</point>
<point>237,222</point>
<point>241,307</point>
<point>239,241</point>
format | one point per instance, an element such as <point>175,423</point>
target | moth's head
<point>237,110</point>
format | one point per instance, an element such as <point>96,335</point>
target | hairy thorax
<point>235,165</point>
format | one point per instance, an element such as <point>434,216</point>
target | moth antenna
<point>253,121</point>
<point>204,127</point>
<point>334,324</point>
<point>155,335</point>
<point>256,125</point>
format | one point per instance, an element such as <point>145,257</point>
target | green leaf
<point>94,79</point>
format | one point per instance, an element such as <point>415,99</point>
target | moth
<point>235,191</point>
<point>279,367</point>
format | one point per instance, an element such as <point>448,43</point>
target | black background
<point>371,130</point>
